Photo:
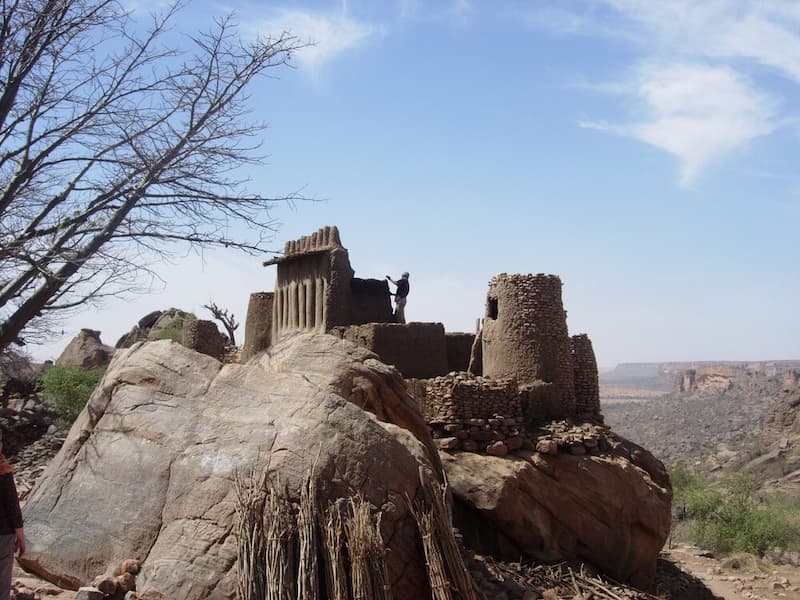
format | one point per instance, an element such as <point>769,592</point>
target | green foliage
<point>69,388</point>
<point>728,516</point>
<point>174,330</point>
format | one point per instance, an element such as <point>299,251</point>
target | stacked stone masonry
<point>474,414</point>
<point>584,367</point>
<point>532,371</point>
<point>204,337</point>
<point>525,334</point>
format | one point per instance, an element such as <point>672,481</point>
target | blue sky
<point>644,151</point>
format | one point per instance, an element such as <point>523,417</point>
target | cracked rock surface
<point>147,469</point>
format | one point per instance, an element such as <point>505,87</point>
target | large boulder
<point>147,470</point>
<point>610,510</point>
<point>86,350</point>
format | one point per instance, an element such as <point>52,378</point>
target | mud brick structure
<point>525,334</point>
<point>258,325</point>
<point>416,349</point>
<point>584,369</point>
<point>315,289</point>
<point>474,413</point>
<point>312,286</point>
<point>459,346</point>
<point>525,370</point>
<point>204,337</point>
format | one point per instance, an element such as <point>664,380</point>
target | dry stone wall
<point>584,368</point>
<point>474,414</point>
<point>204,337</point>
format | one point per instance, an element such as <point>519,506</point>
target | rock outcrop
<point>86,350</point>
<point>611,510</point>
<point>156,325</point>
<point>155,452</point>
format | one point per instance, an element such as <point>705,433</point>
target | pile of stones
<point>573,438</point>
<point>119,586</point>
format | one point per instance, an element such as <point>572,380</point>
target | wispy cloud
<point>328,35</point>
<point>695,112</point>
<point>698,81</point>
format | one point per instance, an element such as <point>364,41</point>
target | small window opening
<point>491,308</point>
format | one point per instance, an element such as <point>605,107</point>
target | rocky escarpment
<point>147,470</point>
<point>583,495</point>
<point>86,350</point>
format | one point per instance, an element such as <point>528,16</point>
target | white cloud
<point>328,35</point>
<point>698,102</point>
<point>762,31</point>
<point>695,112</point>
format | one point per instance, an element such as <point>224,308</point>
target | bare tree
<point>227,319</point>
<point>114,147</point>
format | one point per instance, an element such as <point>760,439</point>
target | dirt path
<point>739,578</point>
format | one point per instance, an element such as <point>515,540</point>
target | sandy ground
<point>744,578</point>
<point>739,578</point>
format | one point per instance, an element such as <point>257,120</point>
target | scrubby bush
<point>728,516</point>
<point>174,329</point>
<point>69,388</point>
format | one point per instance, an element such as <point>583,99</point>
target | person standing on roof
<point>400,295</point>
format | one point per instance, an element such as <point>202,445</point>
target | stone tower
<point>587,386</point>
<point>525,334</point>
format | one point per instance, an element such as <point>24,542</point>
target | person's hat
<point>405,275</point>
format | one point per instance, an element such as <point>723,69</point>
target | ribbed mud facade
<point>315,289</point>
<point>531,371</point>
<point>312,287</point>
<point>525,335</point>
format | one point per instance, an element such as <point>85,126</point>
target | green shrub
<point>69,388</point>
<point>174,330</point>
<point>727,516</point>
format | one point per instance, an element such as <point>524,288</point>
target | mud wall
<point>417,349</point>
<point>459,346</point>
<point>370,301</point>
<point>525,334</point>
<point>312,287</point>
<point>258,325</point>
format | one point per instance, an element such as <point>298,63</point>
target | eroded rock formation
<point>86,350</point>
<point>609,509</point>
<point>156,449</point>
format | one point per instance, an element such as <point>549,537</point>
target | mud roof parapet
<point>322,240</point>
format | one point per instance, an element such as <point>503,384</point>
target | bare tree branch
<point>113,146</point>
<point>227,319</point>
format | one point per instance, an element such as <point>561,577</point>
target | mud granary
<point>475,390</point>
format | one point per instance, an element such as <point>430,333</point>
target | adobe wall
<point>584,369</point>
<point>525,334</point>
<point>417,349</point>
<point>459,347</point>
<point>258,325</point>
<point>370,301</point>
<point>312,287</point>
